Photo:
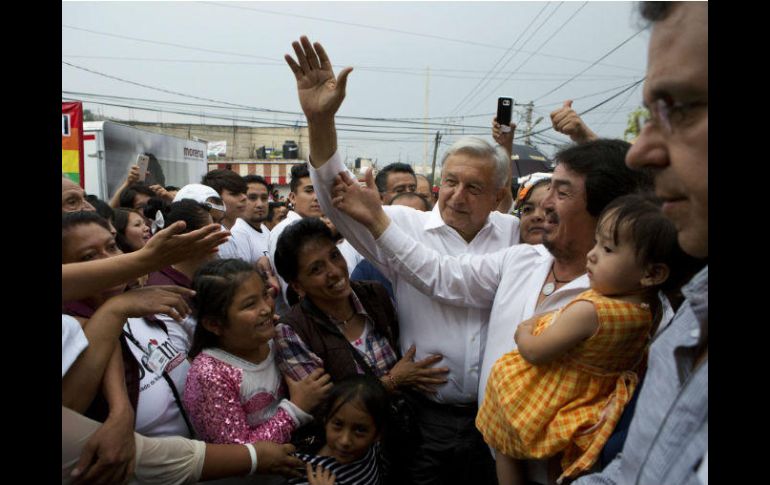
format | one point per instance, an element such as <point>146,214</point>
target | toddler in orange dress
<point>563,390</point>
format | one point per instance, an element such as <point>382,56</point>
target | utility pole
<point>435,151</point>
<point>528,118</point>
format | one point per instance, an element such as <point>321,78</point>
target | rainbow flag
<point>72,141</point>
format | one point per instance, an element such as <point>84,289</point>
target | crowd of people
<point>383,332</point>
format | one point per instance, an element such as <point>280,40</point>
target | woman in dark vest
<point>346,327</point>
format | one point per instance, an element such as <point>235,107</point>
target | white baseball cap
<point>202,194</point>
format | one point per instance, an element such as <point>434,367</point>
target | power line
<point>597,105</point>
<point>398,31</point>
<point>410,71</point>
<point>613,113</point>
<point>198,105</point>
<point>505,54</point>
<point>379,129</point>
<point>592,65</point>
<point>538,49</point>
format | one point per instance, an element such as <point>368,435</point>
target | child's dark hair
<point>653,235</point>
<point>215,284</point>
<point>365,389</point>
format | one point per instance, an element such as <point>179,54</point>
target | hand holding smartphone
<point>143,162</point>
<point>504,111</point>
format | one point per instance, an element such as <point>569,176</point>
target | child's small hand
<point>310,391</point>
<point>321,476</point>
<point>527,326</point>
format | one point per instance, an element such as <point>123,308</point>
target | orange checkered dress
<point>571,404</point>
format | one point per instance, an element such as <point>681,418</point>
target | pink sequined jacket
<point>230,400</point>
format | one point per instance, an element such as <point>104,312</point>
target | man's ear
<point>655,274</point>
<point>212,325</point>
<point>292,197</point>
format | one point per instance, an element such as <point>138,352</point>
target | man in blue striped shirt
<point>668,438</point>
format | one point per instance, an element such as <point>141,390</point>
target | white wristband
<point>253,454</point>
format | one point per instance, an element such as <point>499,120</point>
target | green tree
<point>634,126</point>
<point>88,115</point>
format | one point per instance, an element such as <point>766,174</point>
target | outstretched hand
<point>169,246</point>
<point>320,93</point>
<point>420,374</point>
<point>362,203</point>
<point>140,302</point>
<point>566,120</point>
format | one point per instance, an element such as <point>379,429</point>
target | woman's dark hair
<point>518,203</point>
<point>364,389</point>
<point>194,214</point>
<point>215,284</point>
<point>293,239</point>
<point>102,208</point>
<point>120,221</point>
<point>127,196</point>
<point>154,205</point>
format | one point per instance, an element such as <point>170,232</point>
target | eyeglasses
<point>672,115</point>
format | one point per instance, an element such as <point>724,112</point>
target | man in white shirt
<point>249,229</point>
<point>232,189</point>
<point>523,280</point>
<point>450,449</point>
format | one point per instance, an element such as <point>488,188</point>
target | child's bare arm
<point>576,323</point>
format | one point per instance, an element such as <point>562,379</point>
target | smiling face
<point>677,74</point>
<point>322,274</point>
<point>349,433</point>
<point>468,193</point>
<point>570,230</point>
<point>137,233</point>
<point>249,325</point>
<point>533,224</point>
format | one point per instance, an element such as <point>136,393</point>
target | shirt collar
<point>697,294</point>
<point>434,221</point>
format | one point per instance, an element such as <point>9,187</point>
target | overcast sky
<point>225,60</point>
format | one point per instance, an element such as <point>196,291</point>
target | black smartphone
<point>504,111</point>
